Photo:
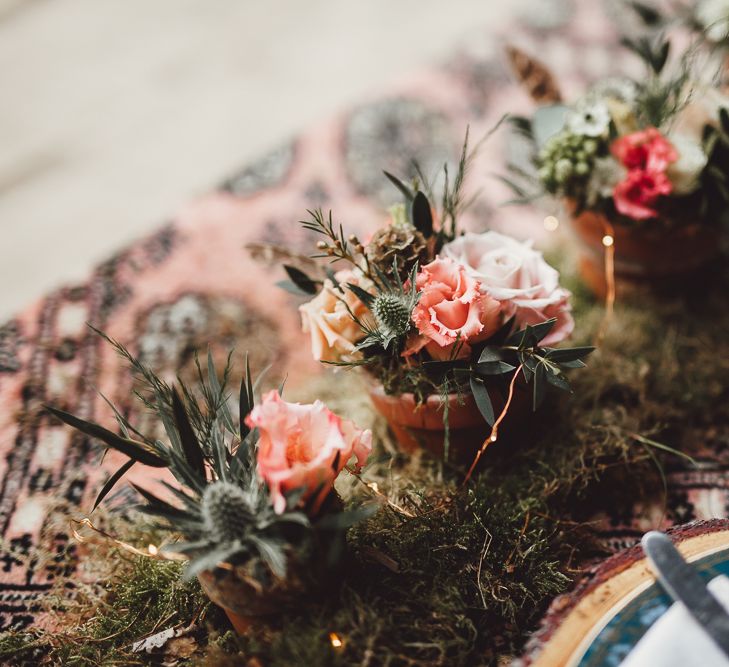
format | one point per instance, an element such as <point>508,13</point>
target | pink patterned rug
<point>193,281</point>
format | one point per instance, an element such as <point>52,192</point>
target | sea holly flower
<point>429,302</point>
<point>247,492</point>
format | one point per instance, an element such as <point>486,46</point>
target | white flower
<point>607,172</point>
<point>589,120</point>
<point>713,15</point>
<point>685,171</point>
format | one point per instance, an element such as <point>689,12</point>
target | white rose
<point>713,15</point>
<point>516,275</point>
<point>334,333</point>
<point>685,171</point>
<point>702,110</point>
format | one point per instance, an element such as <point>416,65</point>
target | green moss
<point>134,598</point>
<point>465,578</point>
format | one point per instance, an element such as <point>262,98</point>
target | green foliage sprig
<point>220,505</point>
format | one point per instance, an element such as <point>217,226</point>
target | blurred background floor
<point>114,114</point>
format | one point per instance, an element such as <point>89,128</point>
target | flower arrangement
<point>430,311</point>
<point>641,164</point>
<point>641,151</point>
<point>253,501</point>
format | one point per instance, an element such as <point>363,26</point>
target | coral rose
<point>334,333</point>
<point>647,150</point>
<point>647,155</point>
<point>303,447</point>
<point>451,308</point>
<point>636,195</point>
<point>517,276</point>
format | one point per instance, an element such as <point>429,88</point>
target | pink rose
<point>517,276</point>
<point>647,155</point>
<point>451,308</point>
<point>303,446</point>
<point>333,331</point>
<point>636,195</point>
<point>647,150</point>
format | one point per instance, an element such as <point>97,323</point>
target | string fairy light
<point>608,243</point>
<point>335,640</point>
<point>152,551</point>
<point>551,223</point>
<point>372,486</point>
<point>494,435</point>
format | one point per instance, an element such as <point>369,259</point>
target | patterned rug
<point>194,282</point>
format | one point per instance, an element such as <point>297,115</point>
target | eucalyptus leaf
<point>421,214</point>
<point>301,280</point>
<point>483,400</point>
<point>577,363</point>
<point>499,338</point>
<point>493,368</point>
<point>363,295</point>
<point>541,330</point>
<point>566,354</point>
<point>558,380</point>
<point>547,121</point>
<point>539,387</point>
<point>490,354</point>
<point>291,288</point>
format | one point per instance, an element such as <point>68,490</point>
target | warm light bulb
<point>551,223</point>
<point>153,550</point>
<point>335,640</point>
<point>607,240</point>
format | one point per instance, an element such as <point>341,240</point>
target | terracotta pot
<point>421,426</point>
<point>643,254</point>
<point>246,603</point>
<point>243,603</point>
